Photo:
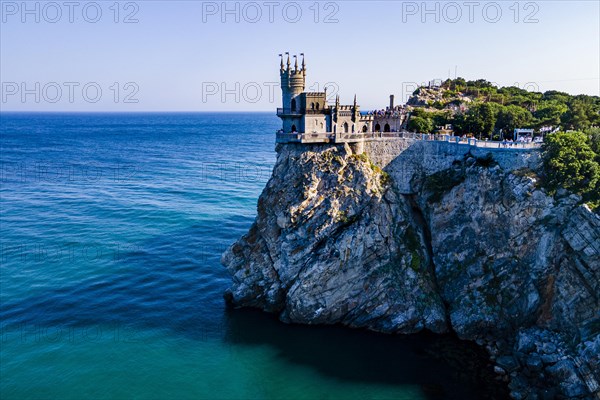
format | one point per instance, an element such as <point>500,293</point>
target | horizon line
<point>131,112</point>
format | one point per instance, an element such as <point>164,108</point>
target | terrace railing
<point>355,137</point>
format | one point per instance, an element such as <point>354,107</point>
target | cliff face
<point>446,239</point>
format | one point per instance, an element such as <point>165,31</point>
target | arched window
<point>312,106</point>
<point>293,104</point>
<point>377,128</point>
<point>293,127</point>
<point>386,128</point>
<point>317,106</point>
<point>345,127</point>
<point>365,128</point>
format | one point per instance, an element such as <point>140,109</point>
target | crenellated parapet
<point>292,78</point>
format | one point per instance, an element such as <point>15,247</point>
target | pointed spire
<point>354,100</point>
<point>295,63</point>
<point>281,62</point>
<point>288,60</point>
<point>303,64</point>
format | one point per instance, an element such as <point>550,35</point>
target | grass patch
<point>384,176</point>
<point>415,261</point>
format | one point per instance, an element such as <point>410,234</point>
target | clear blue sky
<point>179,53</point>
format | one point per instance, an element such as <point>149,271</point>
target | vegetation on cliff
<point>572,162</point>
<point>488,111</point>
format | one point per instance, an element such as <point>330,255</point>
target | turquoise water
<point>111,287</point>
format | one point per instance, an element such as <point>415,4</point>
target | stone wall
<point>407,160</point>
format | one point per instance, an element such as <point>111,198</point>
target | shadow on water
<point>441,365</point>
<point>175,284</point>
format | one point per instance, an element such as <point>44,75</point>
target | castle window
<point>365,128</point>
<point>312,106</point>
<point>345,127</point>
<point>293,127</point>
<point>317,106</point>
<point>377,128</point>
<point>386,128</point>
<point>293,104</point>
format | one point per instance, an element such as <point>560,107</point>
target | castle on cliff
<point>309,113</point>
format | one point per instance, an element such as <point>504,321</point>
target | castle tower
<point>293,81</point>
<point>292,84</point>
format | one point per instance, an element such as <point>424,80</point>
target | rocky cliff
<point>403,236</point>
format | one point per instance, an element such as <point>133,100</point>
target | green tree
<point>560,97</point>
<point>583,112</point>
<point>512,117</point>
<point>549,113</point>
<point>570,163</point>
<point>420,124</point>
<point>594,135</point>
<point>441,118</point>
<point>481,119</point>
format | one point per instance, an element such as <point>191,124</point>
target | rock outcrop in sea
<point>402,235</point>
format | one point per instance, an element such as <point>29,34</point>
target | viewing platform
<point>376,136</point>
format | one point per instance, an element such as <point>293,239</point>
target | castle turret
<point>336,109</point>
<point>292,85</point>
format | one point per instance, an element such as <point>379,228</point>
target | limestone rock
<point>417,235</point>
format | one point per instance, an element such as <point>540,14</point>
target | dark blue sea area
<point>112,227</point>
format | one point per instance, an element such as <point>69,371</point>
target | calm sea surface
<point>112,226</point>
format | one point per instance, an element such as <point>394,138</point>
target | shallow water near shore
<point>111,286</point>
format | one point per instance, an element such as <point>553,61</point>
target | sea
<point>112,228</point>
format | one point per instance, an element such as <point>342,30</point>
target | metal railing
<point>288,111</point>
<point>345,137</point>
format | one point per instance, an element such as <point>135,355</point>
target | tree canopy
<point>571,163</point>
<point>483,109</point>
<point>420,124</point>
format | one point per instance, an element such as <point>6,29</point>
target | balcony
<point>288,112</point>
